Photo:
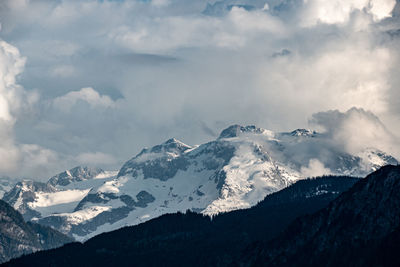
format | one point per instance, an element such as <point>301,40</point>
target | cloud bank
<point>89,90</point>
<point>25,159</point>
<point>355,130</point>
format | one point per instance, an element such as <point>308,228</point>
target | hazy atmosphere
<point>93,82</point>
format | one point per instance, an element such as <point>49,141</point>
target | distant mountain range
<point>342,222</point>
<point>235,171</point>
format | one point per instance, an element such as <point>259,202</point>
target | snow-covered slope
<point>233,172</point>
<point>60,194</point>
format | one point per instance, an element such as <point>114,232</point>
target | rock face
<point>24,193</point>
<point>18,237</point>
<point>235,171</point>
<point>359,228</point>
<point>76,174</point>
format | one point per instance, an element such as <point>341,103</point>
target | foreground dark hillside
<point>359,228</point>
<point>18,237</point>
<point>193,240</point>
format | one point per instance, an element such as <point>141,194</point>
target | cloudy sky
<point>92,82</point>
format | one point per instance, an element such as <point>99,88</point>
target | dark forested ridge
<point>193,240</point>
<point>18,237</point>
<point>360,228</point>
<point>330,221</point>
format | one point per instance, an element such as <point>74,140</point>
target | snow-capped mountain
<point>76,174</point>
<point>60,194</point>
<point>235,171</point>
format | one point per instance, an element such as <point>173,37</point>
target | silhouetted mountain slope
<point>194,240</point>
<point>359,228</point>
<point>18,237</point>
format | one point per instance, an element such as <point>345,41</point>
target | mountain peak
<point>303,132</point>
<point>377,158</point>
<point>235,130</point>
<point>27,185</point>
<point>158,157</point>
<point>172,145</point>
<point>76,174</point>
<point>172,140</point>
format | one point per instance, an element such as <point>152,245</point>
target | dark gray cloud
<point>163,68</point>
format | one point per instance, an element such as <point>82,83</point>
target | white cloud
<point>174,32</point>
<point>337,76</point>
<point>17,159</point>
<point>357,129</point>
<point>255,21</point>
<point>88,95</point>
<point>315,168</point>
<point>381,9</point>
<point>11,65</point>
<point>339,11</point>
